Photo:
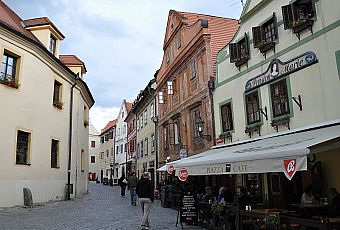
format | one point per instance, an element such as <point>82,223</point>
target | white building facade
<point>121,141</point>
<point>39,143</point>
<point>94,144</point>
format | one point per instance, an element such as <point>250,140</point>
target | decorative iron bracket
<point>264,112</point>
<point>297,100</point>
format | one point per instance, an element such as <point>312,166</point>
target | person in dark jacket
<point>122,183</point>
<point>145,191</point>
<point>132,183</point>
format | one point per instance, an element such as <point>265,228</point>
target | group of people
<point>144,189</point>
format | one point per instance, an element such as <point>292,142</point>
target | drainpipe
<point>68,185</point>
<point>156,137</point>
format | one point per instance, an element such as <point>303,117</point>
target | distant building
<point>107,152</point>
<point>121,141</point>
<point>132,141</point>
<point>42,149</point>
<point>185,80</point>
<point>94,144</point>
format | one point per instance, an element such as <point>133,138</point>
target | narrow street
<point>103,208</point>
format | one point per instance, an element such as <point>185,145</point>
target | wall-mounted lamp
<point>199,128</point>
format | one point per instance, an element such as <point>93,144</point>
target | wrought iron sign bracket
<point>264,112</point>
<point>297,100</point>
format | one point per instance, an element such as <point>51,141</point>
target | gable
<point>174,21</point>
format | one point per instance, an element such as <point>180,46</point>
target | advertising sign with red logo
<point>289,168</point>
<point>170,169</point>
<point>183,175</point>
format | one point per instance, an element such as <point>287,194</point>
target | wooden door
<point>276,195</point>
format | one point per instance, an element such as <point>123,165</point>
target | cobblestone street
<point>103,208</point>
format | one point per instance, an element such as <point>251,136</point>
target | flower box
<point>301,25</point>
<point>243,60</point>
<point>266,46</point>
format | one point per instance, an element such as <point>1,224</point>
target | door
<point>101,176</point>
<point>276,196</point>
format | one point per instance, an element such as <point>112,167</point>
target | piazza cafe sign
<point>277,69</point>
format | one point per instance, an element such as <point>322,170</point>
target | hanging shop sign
<point>277,69</point>
<point>289,168</point>
<point>183,174</point>
<point>170,169</point>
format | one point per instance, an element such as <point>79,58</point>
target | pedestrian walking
<point>145,192</point>
<point>122,183</point>
<point>132,184</point>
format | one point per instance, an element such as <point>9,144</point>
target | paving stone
<point>102,208</point>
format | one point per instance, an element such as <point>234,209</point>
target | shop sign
<point>289,168</point>
<point>170,169</point>
<point>277,69</point>
<point>239,167</point>
<point>214,170</point>
<point>183,174</point>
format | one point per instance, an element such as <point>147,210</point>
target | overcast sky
<point>119,41</point>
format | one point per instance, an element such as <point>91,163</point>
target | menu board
<point>188,208</point>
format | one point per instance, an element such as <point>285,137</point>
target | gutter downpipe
<point>68,185</point>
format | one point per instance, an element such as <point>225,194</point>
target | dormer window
<point>298,16</point>
<point>53,44</point>
<point>265,35</point>
<point>239,52</point>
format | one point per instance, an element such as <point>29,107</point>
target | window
<point>122,114</point>
<point>106,137</point>
<point>165,137</point>
<point>141,148</point>
<point>141,120</point>
<point>93,144</point>
<point>145,117</point>
<point>102,139</point>
<point>57,95</point>
<point>121,148</point>
<point>117,149</point>
<point>152,110</point>
<point>227,118</point>
<point>93,159</point>
<point>54,153</point>
<point>252,106</point>
<point>146,146</point>
<point>111,151</point>
<point>8,70</point>
<point>53,44</point>
<point>167,54</point>
<point>239,52</point>
<point>82,160</point>
<point>138,124</point>
<point>195,115</point>
<point>170,88</point>
<point>138,150</point>
<point>126,147</point>
<point>23,145</point>
<point>160,97</point>
<point>177,138</point>
<point>86,117</point>
<point>118,132</point>
<point>101,155</point>
<point>178,42</point>
<point>111,135</point>
<point>279,95</point>
<point>152,143</point>
<point>298,13</point>
<point>192,70</point>
<point>107,153</point>
<point>266,33</point>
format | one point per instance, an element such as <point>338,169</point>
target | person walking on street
<point>145,192</point>
<point>132,183</point>
<point>122,183</point>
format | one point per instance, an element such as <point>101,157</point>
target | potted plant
<point>218,211</point>
<point>265,46</point>
<point>302,24</point>
<point>272,221</point>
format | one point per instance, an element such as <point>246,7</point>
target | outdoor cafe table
<point>257,217</point>
<point>310,209</point>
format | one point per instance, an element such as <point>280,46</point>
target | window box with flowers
<point>272,221</point>
<point>10,83</point>
<point>266,46</point>
<point>226,135</point>
<point>58,104</point>
<point>302,24</point>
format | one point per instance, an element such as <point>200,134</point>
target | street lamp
<point>199,128</point>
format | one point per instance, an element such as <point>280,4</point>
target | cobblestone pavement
<point>102,208</point>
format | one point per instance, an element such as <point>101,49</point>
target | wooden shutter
<point>246,39</point>
<point>275,26</point>
<point>257,36</point>
<point>287,14</point>
<point>234,54</point>
<point>310,10</point>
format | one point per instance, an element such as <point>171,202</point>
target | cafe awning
<point>281,153</point>
<point>162,169</point>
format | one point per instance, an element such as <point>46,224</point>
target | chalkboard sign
<point>188,208</point>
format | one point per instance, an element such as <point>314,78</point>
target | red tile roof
<point>11,19</point>
<point>70,59</point>
<point>41,22</point>
<point>109,125</point>
<point>222,30</point>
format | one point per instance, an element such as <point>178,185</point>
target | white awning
<point>282,153</point>
<point>162,169</point>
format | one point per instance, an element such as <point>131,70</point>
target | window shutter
<point>275,26</point>
<point>310,10</point>
<point>287,14</point>
<point>233,50</point>
<point>247,44</point>
<point>257,36</point>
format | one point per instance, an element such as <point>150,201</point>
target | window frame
<point>192,67</point>
<point>236,49</point>
<point>152,143</point>
<point>27,153</point>
<point>194,112</point>
<point>146,146</point>
<point>256,114</point>
<point>13,81</point>
<point>55,155</point>
<point>176,130</point>
<point>259,32</point>
<point>165,137</point>
<point>281,82</point>
<point>229,117</point>
<point>291,13</point>
<point>53,44</point>
<point>93,159</point>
